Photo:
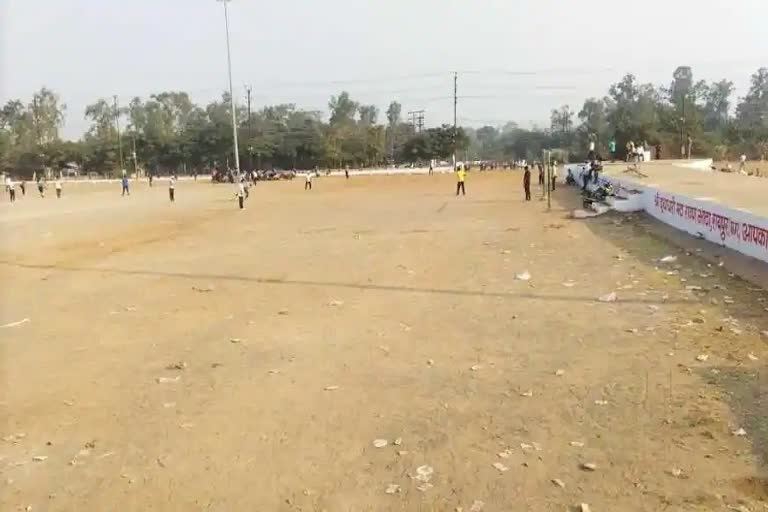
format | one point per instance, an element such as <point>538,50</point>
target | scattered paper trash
<point>204,289</point>
<point>477,506</point>
<point>740,432</point>
<point>380,443</point>
<point>168,380</point>
<point>610,297</point>
<point>336,303</point>
<point>752,357</point>
<point>569,284</point>
<point>523,276</point>
<point>392,489</point>
<point>668,259</point>
<point>331,388</point>
<point>560,372</point>
<point>577,444</point>
<point>702,357</point>
<point>40,458</point>
<point>558,483</point>
<point>16,324</point>
<point>588,466</point>
<point>501,467</point>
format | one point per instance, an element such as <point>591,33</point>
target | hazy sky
<point>516,59</point>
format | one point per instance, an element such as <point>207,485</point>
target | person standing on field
<point>124,182</point>
<point>554,174</point>
<point>41,186</point>
<point>58,188</point>
<point>308,181</point>
<point>172,188</point>
<point>241,195</point>
<point>527,183</point>
<point>461,175</point>
<point>11,186</point>
<point>23,187</point>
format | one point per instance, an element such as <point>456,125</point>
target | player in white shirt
<point>11,186</point>
<point>308,182</point>
<point>172,188</point>
<point>241,194</point>
<point>554,174</point>
<point>58,188</point>
<point>742,163</point>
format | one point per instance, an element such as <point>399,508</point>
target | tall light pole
<point>231,91</point>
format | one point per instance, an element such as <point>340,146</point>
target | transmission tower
<point>417,120</point>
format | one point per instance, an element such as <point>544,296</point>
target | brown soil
<point>312,323</point>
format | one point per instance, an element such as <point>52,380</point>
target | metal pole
<point>231,93</point>
<point>135,161</point>
<point>250,137</point>
<point>119,139</point>
<point>455,104</point>
<point>549,180</point>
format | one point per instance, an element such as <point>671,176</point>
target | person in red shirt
<point>527,183</point>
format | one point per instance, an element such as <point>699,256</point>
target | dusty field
<point>311,324</point>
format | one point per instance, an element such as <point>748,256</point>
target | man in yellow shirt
<point>461,174</point>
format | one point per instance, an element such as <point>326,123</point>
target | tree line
<point>169,132</point>
<point>719,126</point>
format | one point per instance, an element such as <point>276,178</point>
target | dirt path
<point>311,324</point>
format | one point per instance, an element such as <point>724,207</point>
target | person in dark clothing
<point>541,174</point>
<point>658,151</point>
<point>172,188</point>
<point>23,187</point>
<point>527,183</point>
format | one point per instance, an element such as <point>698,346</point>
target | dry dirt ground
<point>313,323</point>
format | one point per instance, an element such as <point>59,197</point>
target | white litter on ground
<point>15,324</point>
<point>523,276</point>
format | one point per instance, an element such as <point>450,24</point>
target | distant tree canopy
<point>171,133</point>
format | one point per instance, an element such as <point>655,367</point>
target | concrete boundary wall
<point>731,227</point>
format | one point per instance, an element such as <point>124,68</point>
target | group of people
<point>461,177</point>
<point>10,186</point>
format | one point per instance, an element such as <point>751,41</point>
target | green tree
<point>342,108</point>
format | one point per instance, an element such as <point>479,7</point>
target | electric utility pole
<point>250,136</point>
<point>119,138</point>
<point>235,148</point>
<point>455,105</point>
